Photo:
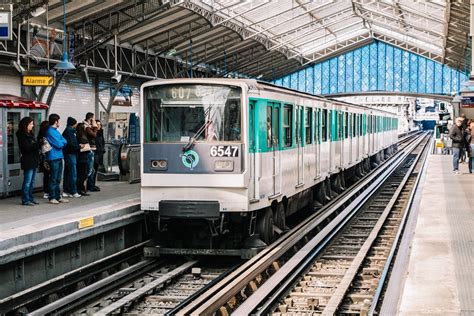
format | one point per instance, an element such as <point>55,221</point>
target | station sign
<point>467,102</point>
<point>6,24</point>
<point>37,80</point>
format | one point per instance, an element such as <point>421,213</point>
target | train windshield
<point>179,113</point>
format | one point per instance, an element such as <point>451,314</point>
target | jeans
<point>456,155</point>
<point>471,159</point>
<point>90,171</point>
<point>70,174</point>
<point>29,176</point>
<point>55,179</point>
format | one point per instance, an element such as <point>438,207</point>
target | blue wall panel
<point>349,66</point>
<point>376,67</point>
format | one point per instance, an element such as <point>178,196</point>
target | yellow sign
<point>439,145</point>
<point>86,222</point>
<point>36,80</point>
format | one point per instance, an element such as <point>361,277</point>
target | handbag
<point>86,147</point>
<point>46,146</point>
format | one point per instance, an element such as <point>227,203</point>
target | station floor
<point>14,215</point>
<point>27,229</point>
<point>438,277</point>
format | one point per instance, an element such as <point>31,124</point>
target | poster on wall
<point>123,97</point>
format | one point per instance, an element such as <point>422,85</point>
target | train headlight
<point>224,165</point>
<point>159,164</point>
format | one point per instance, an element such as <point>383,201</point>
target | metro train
<point>224,162</point>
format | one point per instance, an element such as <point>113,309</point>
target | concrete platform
<point>439,277</point>
<point>27,230</point>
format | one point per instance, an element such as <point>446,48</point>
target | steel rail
<point>394,248</point>
<point>132,297</point>
<point>218,295</point>
<point>274,288</point>
<point>77,298</point>
<point>338,296</point>
<point>41,290</point>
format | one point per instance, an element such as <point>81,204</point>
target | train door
<point>13,175</point>
<point>254,156</point>
<point>317,141</point>
<point>358,133</point>
<point>299,143</point>
<point>273,144</point>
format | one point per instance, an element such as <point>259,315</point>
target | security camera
<point>116,78</point>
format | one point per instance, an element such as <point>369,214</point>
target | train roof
<point>12,101</point>
<point>254,84</point>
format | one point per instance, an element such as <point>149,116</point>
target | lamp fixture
<point>64,64</point>
<point>38,11</point>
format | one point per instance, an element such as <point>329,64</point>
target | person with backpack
<point>71,150</point>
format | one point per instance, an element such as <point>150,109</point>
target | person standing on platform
<point>456,134</point>
<point>44,165</point>
<point>82,159</point>
<point>29,149</point>
<point>468,137</point>
<point>70,159</point>
<point>99,152</point>
<point>90,126</point>
<point>55,159</point>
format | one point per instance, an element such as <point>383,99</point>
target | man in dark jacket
<point>90,126</point>
<point>70,158</point>
<point>99,152</point>
<point>456,134</point>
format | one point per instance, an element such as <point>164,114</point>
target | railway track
<point>246,289</point>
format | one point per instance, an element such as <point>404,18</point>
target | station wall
<point>10,83</point>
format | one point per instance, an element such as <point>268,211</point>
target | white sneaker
<point>46,196</point>
<point>63,201</point>
<point>66,194</point>
<point>53,201</point>
<point>76,195</point>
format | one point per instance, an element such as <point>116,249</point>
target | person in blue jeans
<point>70,152</point>
<point>29,149</point>
<point>457,135</point>
<point>55,158</point>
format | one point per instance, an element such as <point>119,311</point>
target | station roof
<point>268,39</point>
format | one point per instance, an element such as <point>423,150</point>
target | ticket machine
<point>12,110</point>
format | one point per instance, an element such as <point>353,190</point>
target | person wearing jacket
<point>70,159</point>
<point>457,135</point>
<point>29,149</point>
<point>90,127</point>
<point>55,159</point>
<point>44,166</point>
<point>82,159</point>
<point>99,153</point>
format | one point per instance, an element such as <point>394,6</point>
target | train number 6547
<point>224,151</point>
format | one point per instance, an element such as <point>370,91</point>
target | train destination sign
<point>38,80</point>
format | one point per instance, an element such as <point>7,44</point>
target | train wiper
<point>193,138</point>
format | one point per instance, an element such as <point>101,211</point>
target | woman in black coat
<point>29,149</point>
<point>82,159</point>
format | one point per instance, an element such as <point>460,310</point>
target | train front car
<point>194,165</point>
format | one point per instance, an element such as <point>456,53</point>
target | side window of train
<point>360,124</point>
<point>252,126</point>
<point>353,125</point>
<point>298,124</point>
<point>324,125</point>
<point>308,124</point>
<point>287,125</point>
<point>346,125</point>
<point>269,120</point>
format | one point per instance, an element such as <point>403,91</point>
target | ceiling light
<point>116,78</point>
<point>65,64</point>
<point>38,11</point>
<point>171,52</point>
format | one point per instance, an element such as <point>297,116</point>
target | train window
<point>298,124</point>
<point>317,126</point>
<point>324,125</point>
<point>252,126</point>
<point>360,124</point>
<point>269,126</point>
<point>287,125</point>
<point>179,113</point>
<point>354,125</point>
<point>276,126</point>
<point>308,124</point>
<point>346,125</point>
<point>340,127</point>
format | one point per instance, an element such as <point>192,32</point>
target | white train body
<point>272,145</point>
